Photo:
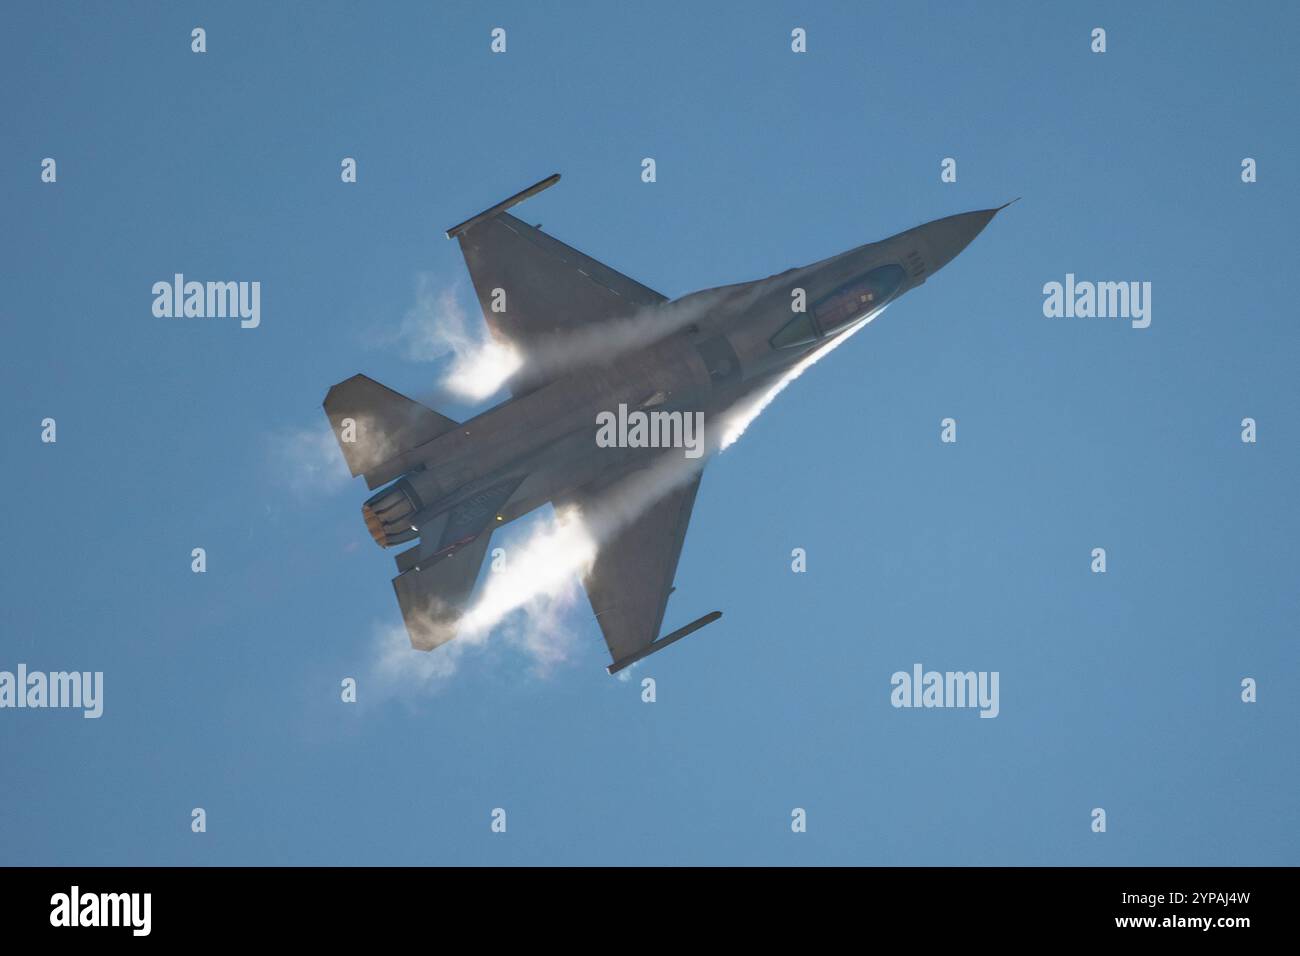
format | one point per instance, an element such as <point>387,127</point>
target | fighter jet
<point>447,485</point>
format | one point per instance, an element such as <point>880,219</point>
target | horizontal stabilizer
<point>374,424</point>
<point>434,597</point>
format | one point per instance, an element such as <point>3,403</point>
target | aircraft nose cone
<point>947,237</point>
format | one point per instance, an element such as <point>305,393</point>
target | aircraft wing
<point>630,581</point>
<point>547,285</point>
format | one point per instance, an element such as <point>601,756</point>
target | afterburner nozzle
<point>373,525</point>
<point>389,515</point>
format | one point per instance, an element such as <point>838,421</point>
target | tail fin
<point>373,425</point>
<point>433,597</point>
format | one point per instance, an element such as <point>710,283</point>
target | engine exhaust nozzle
<point>388,515</point>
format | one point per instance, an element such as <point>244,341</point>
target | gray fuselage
<point>718,347</point>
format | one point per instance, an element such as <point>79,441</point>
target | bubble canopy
<point>852,301</point>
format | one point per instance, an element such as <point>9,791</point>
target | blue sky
<point>222,689</point>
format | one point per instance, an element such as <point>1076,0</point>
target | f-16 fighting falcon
<point>611,377</point>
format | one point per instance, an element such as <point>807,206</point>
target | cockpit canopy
<point>846,305</point>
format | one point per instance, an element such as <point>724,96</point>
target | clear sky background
<point>222,690</point>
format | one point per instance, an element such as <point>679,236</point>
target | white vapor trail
<point>547,568</point>
<point>739,417</point>
<point>530,599</point>
<point>307,461</point>
<point>436,326</point>
<point>483,363</point>
<point>540,582</point>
